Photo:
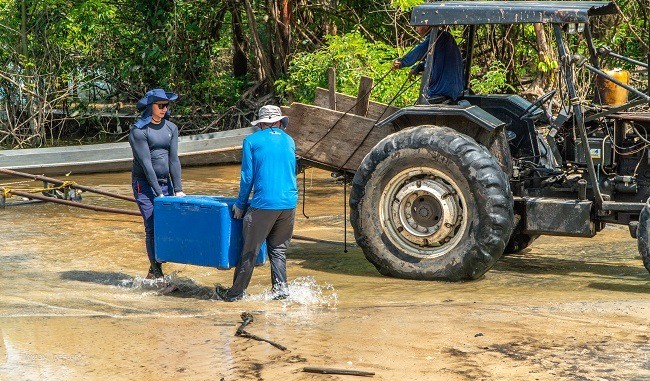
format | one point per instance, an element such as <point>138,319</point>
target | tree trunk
<point>329,26</point>
<point>29,104</point>
<point>239,60</point>
<point>285,32</point>
<point>280,25</point>
<point>264,68</point>
<point>545,73</point>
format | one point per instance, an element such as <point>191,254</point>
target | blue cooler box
<point>199,230</point>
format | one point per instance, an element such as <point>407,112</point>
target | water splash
<point>141,283</point>
<point>184,287</point>
<point>303,291</point>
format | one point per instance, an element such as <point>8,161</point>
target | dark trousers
<point>276,228</point>
<point>144,198</point>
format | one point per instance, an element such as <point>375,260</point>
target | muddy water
<point>73,305</point>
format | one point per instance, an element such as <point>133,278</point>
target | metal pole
<point>605,51</point>
<point>613,110</point>
<point>630,60</point>
<point>345,213</point>
<point>428,66</point>
<point>592,54</point>
<point>469,55</point>
<point>590,46</point>
<point>577,111</point>
<point>616,81</point>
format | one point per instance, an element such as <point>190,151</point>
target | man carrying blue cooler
<point>268,169</point>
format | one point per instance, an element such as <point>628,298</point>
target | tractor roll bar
<point>565,59</point>
<point>605,51</point>
<point>581,61</point>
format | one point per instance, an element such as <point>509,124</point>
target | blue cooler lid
<point>202,200</point>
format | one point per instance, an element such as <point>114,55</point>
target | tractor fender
<point>439,114</point>
<point>470,120</point>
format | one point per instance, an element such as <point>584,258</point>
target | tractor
<point>441,190</point>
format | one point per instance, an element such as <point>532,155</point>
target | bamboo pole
<point>75,204</point>
<point>60,182</point>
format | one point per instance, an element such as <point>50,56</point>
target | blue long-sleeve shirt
<point>447,73</point>
<point>155,154</point>
<point>268,169</point>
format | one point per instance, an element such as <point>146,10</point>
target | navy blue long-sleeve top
<point>155,155</point>
<point>447,73</point>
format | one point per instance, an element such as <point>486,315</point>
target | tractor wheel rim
<point>423,212</point>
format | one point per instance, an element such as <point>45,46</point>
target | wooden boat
<point>205,149</point>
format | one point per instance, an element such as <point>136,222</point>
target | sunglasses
<point>162,106</point>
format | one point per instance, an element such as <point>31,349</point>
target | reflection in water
<point>108,278</point>
<point>74,304</point>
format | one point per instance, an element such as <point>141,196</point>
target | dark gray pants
<point>276,228</point>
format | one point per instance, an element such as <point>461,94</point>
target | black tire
<point>500,149</point>
<point>518,242</point>
<point>643,235</point>
<point>477,201</point>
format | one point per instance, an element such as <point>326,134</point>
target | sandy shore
<point>73,306</point>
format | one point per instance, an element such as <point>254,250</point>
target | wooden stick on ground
<point>347,372</point>
<point>255,337</point>
<point>247,318</point>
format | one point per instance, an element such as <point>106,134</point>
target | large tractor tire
<point>519,242</point>
<point>430,203</point>
<point>643,235</point>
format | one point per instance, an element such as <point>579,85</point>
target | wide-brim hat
<point>270,114</point>
<point>155,95</point>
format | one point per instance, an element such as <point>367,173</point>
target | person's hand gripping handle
<point>236,212</point>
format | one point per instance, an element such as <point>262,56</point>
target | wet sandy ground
<point>73,305</point>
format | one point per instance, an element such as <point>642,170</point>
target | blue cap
<point>144,105</point>
<point>153,96</point>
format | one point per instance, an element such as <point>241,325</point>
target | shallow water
<point>73,304</point>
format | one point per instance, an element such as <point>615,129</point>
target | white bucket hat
<point>270,114</point>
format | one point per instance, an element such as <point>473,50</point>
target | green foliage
<point>219,90</point>
<point>405,5</point>
<point>352,56</point>
<point>492,81</point>
<point>547,65</point>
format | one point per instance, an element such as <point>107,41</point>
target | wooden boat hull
<point>194,150</point>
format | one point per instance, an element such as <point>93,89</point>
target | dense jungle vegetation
<point>67,67</point>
